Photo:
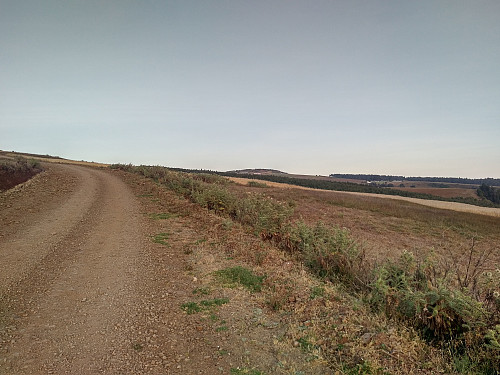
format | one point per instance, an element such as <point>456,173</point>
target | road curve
<point>69,268</point>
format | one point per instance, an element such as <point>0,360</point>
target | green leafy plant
<point>317,291</point>
<point>242,276</point>
<point>191,307</point>
<point>161,238</point>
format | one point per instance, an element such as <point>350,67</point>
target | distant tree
<point>489,192</point>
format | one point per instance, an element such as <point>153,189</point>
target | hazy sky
<point>317,87</point>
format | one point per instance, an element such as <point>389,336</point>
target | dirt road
<point>80,292</point>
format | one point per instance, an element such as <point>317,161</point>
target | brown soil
<point>10,179</point>
<point>85,290</point>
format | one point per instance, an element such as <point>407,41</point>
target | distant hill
<point>262,171</point>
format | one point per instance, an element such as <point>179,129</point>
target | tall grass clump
<point>328,251</point>
<point>466,325</point>
<point>265,215</point>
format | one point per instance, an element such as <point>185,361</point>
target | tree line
<point>454,180</point>
<point>489,192</point>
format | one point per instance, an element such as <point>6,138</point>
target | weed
<point>214,302</point>
<point>214,317</point>
<point>191,307</point>
<point>305,345</point>
<point>227,224</point>
<point>161,238</point>
<point>221,329</point>
<point>265,215</point>
<point>137,346</point>
<point>360,368</point>
<point>241,275</point>
<point>201,291</point>
<point>328,251</point>
<point>402,290</point>
<point>317,291</point>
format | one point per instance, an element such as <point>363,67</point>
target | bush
<point>265,215</point>
<point>402,290</point>
<point>328,251</point>
<point>213,197</point>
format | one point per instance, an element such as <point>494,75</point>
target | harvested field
<point>454,206</point>
<point>443,192</point>
<point>389,225</point>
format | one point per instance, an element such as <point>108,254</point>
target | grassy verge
<point>455,308</point>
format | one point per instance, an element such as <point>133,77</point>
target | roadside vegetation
<point>447,302</point>
<point>14,171</point>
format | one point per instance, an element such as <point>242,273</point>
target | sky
<point>316,87</point>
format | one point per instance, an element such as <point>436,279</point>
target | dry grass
<point>443,192</point>
<point>329,323</point>
<point>386,226</point>
<point>44,158</point>
<point>454,206</point>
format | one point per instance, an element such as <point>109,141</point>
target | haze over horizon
<point>375,87</point>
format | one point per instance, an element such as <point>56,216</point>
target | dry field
<point>387,225</point>
<point>454,206</point>
<point>443,192</point>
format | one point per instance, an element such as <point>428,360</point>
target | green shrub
<point>328,251</point>
<point>215,198</point>
<point>400,289</point>
<point>264,215</point>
